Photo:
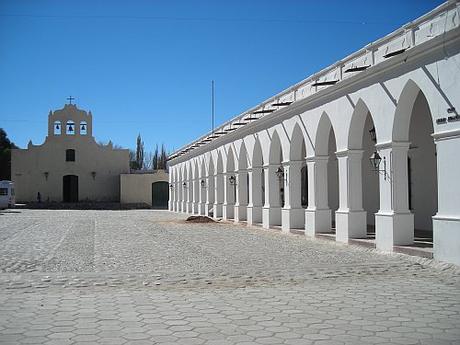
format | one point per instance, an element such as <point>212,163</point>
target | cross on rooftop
<point>70,99</point>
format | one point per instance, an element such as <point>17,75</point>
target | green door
<point>160,195</point>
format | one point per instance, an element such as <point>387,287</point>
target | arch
<point>219,163</point>
<point>257,156</point>
<point>404,110</point>
<point>243,157</point>
<point>357,125</point>
<point>57,128</point>
<point>276,152</point>
<point>83,128</point>
<point>297,149</point>
<point>230,160</point>
<point>322,135</point>
<point>70,127</point>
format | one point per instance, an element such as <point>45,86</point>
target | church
<point>70,166</point>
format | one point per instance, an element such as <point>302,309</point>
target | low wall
<point>137,188</point>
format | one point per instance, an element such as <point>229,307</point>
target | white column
<point>196,195</point>
<point>254,209</point>
<point>271,213</point>
<point>394,223</point>
<point>446,222</point>
<point>318,214</point>
<point>229,196</point>
<point>171,192</point>
<point>241,201</point>
<point>210,193</point>
<point>184,196</point>
<point>202,196</point>
<point>189,208</point>
<point>292,214</point>
<point>219,195</point>
<point>350,218</point>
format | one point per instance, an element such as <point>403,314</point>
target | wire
<point>202,19</point>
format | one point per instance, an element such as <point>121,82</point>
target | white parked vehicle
<point>7,198</point>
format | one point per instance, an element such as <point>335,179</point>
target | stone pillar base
<point>446,239</point>
<point>228,211</point>
<point>195,208</point>
<point>271,216</point>
<point>254,214</point>
<point>393,229</point>
<point>240,213</point>
<point>317,221</point>
<point>217,210</point>
<point>183,206</point>
<point>350,224</point>
<point>292,218</point>
<point>189,207</point>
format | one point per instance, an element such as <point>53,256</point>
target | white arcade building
<point>368,145</point>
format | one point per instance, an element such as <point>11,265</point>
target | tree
<point>5,155</point>
<point>155,158</point>
<point>137,161</point>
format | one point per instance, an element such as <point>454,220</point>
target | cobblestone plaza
<point>148,277</point>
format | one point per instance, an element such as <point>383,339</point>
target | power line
<point>202,19</point>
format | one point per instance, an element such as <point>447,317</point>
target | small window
<point>70,128</point>
<point>83,128</point>
<point>70,155</point>
<point>3,191</point>
<point>57,127</point>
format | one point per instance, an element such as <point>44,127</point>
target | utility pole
<point>212,106</point>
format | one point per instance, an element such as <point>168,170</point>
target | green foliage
<point>5,155</point>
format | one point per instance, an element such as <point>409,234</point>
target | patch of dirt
<point>200,219</point>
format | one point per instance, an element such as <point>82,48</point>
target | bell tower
<point>70,122</point>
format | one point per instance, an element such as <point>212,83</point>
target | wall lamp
<point>375,160</point>
<point>184,184</point>
<point>171,186</point>
<point>93,174</point>
<point>203,183</point>
<point>373,134</point>
<point>280,173</point>
<point>46,173</point>
<point>232,180</point>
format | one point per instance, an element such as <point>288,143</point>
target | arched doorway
<point>70,188</point>
<point>160,195</point>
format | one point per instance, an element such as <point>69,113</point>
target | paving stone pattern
<point>148,277</point>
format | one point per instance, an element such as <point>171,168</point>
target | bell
<point>57,126</point>
<point>83,127</point>
<point>70,128</point>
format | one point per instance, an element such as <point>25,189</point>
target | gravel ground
<point>147,277</point>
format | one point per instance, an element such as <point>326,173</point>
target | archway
<point>256,185</point>
<point>242,186</point>
<point>70,188</point>
<point>229,186</point>
<point>210,189</point>
<point>274,184</point>
<point>297,184</point>
<point>362,138</point>
<point>326,191</point>
<point>160,195</point>
<point>413,123</point>
<point>219,186</point>
<point>202,187</point>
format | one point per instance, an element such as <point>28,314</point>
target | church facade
<point>70,166</point>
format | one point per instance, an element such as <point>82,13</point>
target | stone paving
<point>147,277</point>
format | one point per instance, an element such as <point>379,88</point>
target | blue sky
<point>146,66</point>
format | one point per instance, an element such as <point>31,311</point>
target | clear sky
<point>146,66</point>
